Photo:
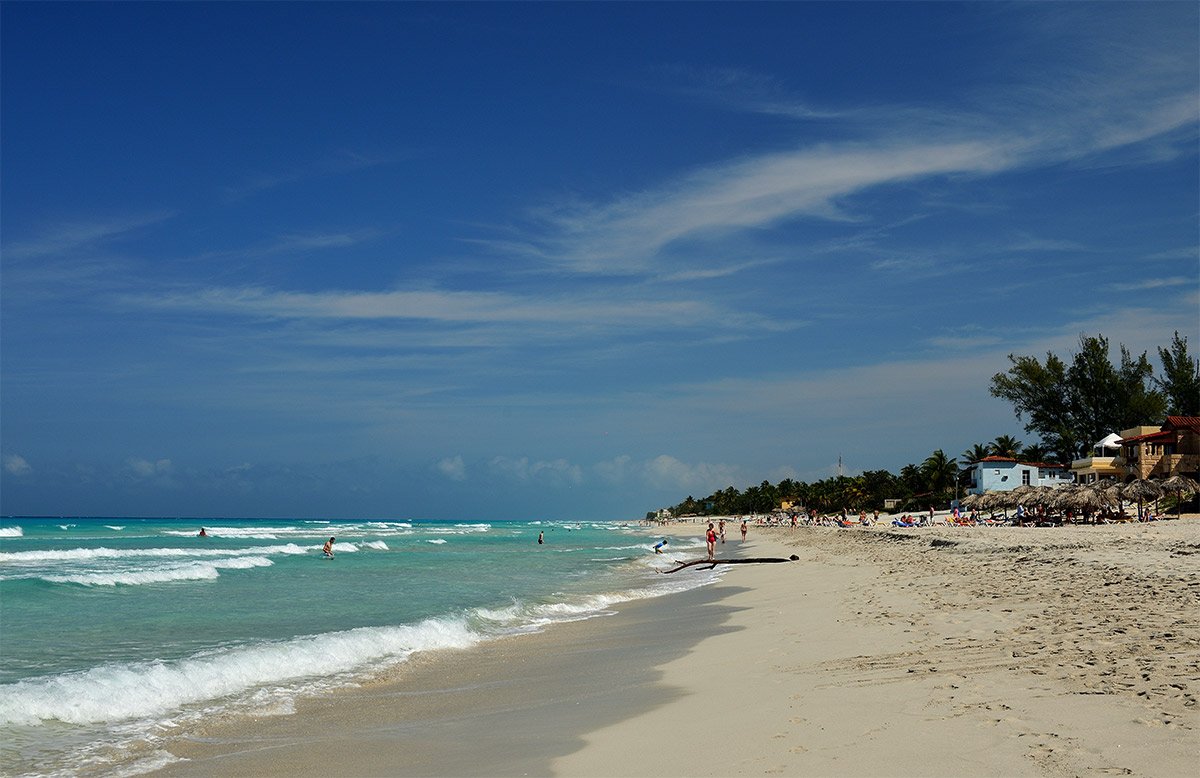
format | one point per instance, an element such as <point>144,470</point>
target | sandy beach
<point>926,652</point>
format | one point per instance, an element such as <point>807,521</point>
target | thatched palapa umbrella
<point>1141,489</point>
<point>1086,501</point>
<point>1179,485</point>
<point>1112,492</point>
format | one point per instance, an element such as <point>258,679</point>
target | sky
<point>577,261</point>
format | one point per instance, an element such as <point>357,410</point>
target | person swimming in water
<point>203,534</point>
<point>327,549</point>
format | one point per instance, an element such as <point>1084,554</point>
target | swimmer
<point>658,546</point>
<point>203,534</point>
<point>541,538</point>
<point>327,549</point>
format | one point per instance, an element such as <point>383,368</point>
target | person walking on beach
<point>744,529</point>
<point>711,538</point>
<point>721,528</point>
<point>327,549</point>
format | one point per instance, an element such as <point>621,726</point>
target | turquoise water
<point>117,632</point>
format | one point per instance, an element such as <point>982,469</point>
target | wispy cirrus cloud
<point>341,163</point>
<point>1153,283</point>
<point>1183,252</point>
<point>434,305</point>
<point>1069,105</point>
<point>629,235</point>
<point>68,237</point>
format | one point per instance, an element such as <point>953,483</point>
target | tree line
<point>1068,404</point>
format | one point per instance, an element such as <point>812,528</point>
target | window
<point>1025,477</point>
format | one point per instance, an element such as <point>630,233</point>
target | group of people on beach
<point>712,534</point>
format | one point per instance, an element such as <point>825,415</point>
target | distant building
<point>1104,462</point>
<point>1172,449</point>
<point>1003,474</point>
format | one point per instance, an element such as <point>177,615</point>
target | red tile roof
<point>1183,422</point>
<point>1161,435</point>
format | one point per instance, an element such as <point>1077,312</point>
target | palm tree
<point>939,471</point>
<point>976,453</point>
<point>1036,453</point>
<point>912,477</point>
<point>1006,446</point>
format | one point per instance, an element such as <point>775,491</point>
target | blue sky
<point>563,260</point>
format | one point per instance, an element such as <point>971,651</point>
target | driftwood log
<point>711,563</point>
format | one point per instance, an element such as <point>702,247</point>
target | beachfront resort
<point>1141,473</point>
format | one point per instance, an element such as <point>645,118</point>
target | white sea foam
<point>83,554</point>
<point>143,690</point>
<point>378,545</point>
<point>11,532</point>
<point>190,571</point>
<point>114,527</point>
<point>437,541</point>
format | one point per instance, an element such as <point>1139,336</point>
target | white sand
<point>999,651</point>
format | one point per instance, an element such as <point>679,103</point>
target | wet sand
<point>504,708</point>
<point>941,651</point>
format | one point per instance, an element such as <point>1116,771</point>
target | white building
<point>1002,474</point>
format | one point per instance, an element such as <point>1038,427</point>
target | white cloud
<point>16,465</point>
<point>144,468</point>
<point>668,472</point>
<point>453,468</point>
<point>430,305</point>
<point>1153,283</point>
<point>71,236</point>
<point>522,469</point>
<point>1184,252</point>
<point>627,235</point>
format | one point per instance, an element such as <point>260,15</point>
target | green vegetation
<point>1069,406</point>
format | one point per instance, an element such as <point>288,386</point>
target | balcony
<point>1105,463</point>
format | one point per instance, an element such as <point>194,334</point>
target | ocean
<point>117,633</point>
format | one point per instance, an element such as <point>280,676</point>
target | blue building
<point>1002,474</point>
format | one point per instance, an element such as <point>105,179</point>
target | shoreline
<point>505,707</point>
<point>941,651</point>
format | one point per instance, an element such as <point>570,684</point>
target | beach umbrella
<point>1111,492</point>
<point>1062,497</point>
<point>1048,496</point>
<point>1179,485</point>
<point>971,501</point>
<point>1086,501</point>
<point>1024,493</point>
<point>994,501</point>
<point>1141,489</point>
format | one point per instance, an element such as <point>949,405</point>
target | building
<point>1002,474</point>
<point>1172,449</point>
<point>1104,462</point>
